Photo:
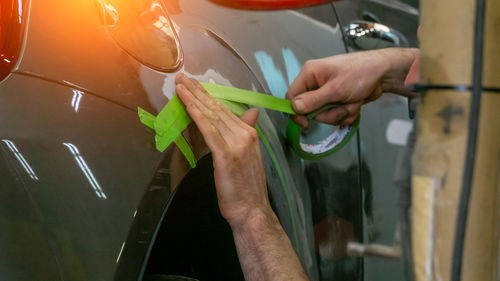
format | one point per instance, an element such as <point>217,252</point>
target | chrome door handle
<point>364,35</point>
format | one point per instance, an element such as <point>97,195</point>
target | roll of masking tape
<point>325,147</point>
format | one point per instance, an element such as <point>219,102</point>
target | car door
<point>274,46</point>
<point>383,131</point>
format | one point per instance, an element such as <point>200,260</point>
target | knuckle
<point>336,114</point>
<point>206,114</point>
<point>236,151</point>
<point>249,137</point>
<point>308,66</point>
<point>193,111</point>
<point>344,111</point>
<point>311,100</point>
<point>211,116</point>
<point>338,91</point>
<point>245,137</point>
<point>219,106</point>
<point>254,137</point>
<point>211,103</point>
<point>211,130</point>
<point>352,108</point>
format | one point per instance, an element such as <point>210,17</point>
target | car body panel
<point>67,148</point>
<point>379,155</point>
<point>71,60</point>
<point>96,190</point>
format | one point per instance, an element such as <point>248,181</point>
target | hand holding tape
<point>173,119</point>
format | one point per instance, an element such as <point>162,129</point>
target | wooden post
<point>447,30</point>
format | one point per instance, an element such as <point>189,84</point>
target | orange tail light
<point>11,23</point>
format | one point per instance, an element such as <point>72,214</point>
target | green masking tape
<point>173,119</point>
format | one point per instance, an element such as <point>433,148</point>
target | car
<point>84,193</point>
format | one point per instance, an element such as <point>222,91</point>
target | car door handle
<point>365,35</point>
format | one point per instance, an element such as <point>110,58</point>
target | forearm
<point>397,65</point>
<point>264,250</point>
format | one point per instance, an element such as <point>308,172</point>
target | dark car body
<point>86,196</point>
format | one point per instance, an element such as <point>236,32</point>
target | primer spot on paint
<point>274,77</point>
<point>292,65</point>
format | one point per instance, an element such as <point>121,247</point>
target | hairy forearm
<point>397,65</point>
<point>264,250</point>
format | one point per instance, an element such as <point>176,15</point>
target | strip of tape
<point>173,119</point>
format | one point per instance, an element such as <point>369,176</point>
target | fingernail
<point>298,104</point>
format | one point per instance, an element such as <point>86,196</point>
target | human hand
<point>350,79</point>
<point>239,172</point>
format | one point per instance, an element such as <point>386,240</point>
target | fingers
<point>205,98</point>
<point>304,82</point>
<point>301,121</point>
<point>210,133</point>
<point>250,117</point>
<point>340,115</point>
<point>309,101</point>
<point>208,109</point>
<point>332,116</point>
<point>354,111</point>
<point>197,91</point>
<point>349,120</point>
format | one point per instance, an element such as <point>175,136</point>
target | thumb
<point>309,101</point>
<point>250,116</point>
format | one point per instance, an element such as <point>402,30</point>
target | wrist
<point>254,220</point>
<point>397,65</point>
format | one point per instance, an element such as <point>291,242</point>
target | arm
<point>350,79</point>
<point>264,250</point>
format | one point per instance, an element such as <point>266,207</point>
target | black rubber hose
<point>463,207</point>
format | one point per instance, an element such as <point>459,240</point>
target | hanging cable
<point>463,205</point>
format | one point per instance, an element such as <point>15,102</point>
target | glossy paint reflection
<point>337,214</point>
<point>93,167</point>
<point>77,97</point>
<point>86,170</point>
<point>21,159</point>
<point>20,11</point>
